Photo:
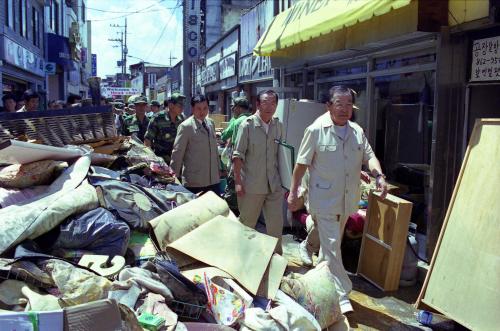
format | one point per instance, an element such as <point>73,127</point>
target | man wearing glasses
<point>333,149</point>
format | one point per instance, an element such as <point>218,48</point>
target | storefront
<point>21,69</point>
<point>59,54</point>
<point>255,72</point>
<point>218,77</point>
<point>388,53</point>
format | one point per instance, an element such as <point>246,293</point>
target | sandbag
<point>30,174</point>
<point>97,231</point>
<point>316,292</point>
<point>65,196</point>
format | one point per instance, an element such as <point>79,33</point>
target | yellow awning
<point>310,19</point>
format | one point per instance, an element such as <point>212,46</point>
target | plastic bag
<point>316,292</point>
<point>97,231</point>
<point>30,174</point>
<point>226,307</point>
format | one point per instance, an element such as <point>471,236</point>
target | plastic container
<point>435,321</point>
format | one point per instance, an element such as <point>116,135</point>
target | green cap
<point>176,97</point>
<point>241,102</point>
<point>140,99</point>
<point>131,99</point>
<point>155,103</point>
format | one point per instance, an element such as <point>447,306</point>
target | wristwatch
<point>380,175</point>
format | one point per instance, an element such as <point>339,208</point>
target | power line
<point>140,11</point>
<point>124,12</point>
<point>172,13</point>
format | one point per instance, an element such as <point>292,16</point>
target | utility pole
<point>124,49</point>
<point>170,59</point>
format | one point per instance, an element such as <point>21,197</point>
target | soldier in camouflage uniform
<point>162,130</point>
<point>136,124</point>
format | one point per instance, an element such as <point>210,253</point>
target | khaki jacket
<point>259,153</point>
<point>334,165</point>
<point>195,155</point>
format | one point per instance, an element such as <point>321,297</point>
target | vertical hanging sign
<point>192,29</point>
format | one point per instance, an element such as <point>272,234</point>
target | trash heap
<point>103,237</point>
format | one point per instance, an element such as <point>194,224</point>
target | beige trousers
<point>271,204</point>
<point>329,230</point>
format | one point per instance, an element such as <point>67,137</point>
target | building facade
<point>22,47</point>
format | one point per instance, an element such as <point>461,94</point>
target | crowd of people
<point>30,101</point>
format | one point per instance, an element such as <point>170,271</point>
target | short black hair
<point>198,98</point>
<point>342,90</point>
<point>8,96</point>
<point>30,94</point>
<point>72,99</point>
<point>270,92</point>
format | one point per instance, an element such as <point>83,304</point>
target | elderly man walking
<point>334,149</point>
<point>256,172</point>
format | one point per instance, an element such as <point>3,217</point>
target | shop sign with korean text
<point>227,66</point>
<point>210,74</point>
<point>19,56</point>
<point>252,68</point>
<point>485,59</point>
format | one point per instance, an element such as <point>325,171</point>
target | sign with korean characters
<point>485,59</point>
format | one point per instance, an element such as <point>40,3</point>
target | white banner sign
<point>485,59</point>
<point>108,91</point>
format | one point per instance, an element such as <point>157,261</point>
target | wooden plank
<point>384,240</point>
<point>464,278</point>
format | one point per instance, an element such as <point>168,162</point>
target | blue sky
<point>156,23</point>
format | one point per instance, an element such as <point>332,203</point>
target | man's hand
<point>365,177</point>
<point>293,202</point>
<point>381,186</point>
<point>240,190</point>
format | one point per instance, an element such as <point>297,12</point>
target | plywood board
<point>384,240</point>
<point>464,279</point>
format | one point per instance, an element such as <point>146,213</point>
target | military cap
<point>155,103</point>
<point>140,99</point>
<point>176,97</point>
<point>241,102</point>
<point>131,99</point>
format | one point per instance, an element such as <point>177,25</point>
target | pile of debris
<point>103,237</point>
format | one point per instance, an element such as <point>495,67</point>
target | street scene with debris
<point>285,165</point>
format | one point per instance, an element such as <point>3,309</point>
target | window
<point>9,10</point>
<point>54,16</point>
<point>35,26</point>
<point>23,18</point>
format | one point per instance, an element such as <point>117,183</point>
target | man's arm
<point>240,149</point>
<point>376,171</point>
<point>179,149</point>
<point>304,159</point>
<point>151,132</point>
<point>298,174</point>
<point>373,163</point>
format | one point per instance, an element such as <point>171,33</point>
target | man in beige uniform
<point>333,149</point>
<point>256,172</point>
<point>195,150</point>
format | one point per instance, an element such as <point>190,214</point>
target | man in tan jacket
<point>194,155</point>
<point>256,172</point>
